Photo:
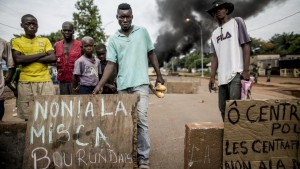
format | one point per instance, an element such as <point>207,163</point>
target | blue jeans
<point>143,139</point>
<point>230,91</point>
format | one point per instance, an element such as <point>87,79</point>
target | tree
<point>54,36</point>
<point>294,48</point>
<point>193,61</point>
<point>87,21</point>
<point>284,43</point>
<point>259,46</point>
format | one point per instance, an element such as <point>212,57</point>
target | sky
<point>51,15</point>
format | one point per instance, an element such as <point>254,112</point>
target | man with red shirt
<point>67,52</point>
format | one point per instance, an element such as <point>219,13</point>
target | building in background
<point>290,66</point>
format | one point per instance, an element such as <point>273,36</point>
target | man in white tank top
<point>230,50</point>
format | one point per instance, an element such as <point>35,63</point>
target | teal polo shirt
<point>131,55</point>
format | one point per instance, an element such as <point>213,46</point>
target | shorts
<point>26,93</point>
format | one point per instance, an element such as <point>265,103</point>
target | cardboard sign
<point>262,134</point>
<point>81,131</point>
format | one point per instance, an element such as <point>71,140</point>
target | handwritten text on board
<point>262,134</point>
<point>90,131</point>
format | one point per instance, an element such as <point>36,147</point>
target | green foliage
<point>87,21</point>
<point>194,60</point>
<point>190,61</point>
<point>18,36</point>
<point>54,36</point>
<point>175,62</point>
<point>283,44</point>
<point>294,48</point>
<point>181,62</point>
<point>206,60</point>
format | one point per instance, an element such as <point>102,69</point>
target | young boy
<point>33,54</point>
<point>87,69</point>
<point>110,87</point>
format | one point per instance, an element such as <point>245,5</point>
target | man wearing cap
<point>230,50</point>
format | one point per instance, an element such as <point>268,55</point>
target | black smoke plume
<point>184,20</point>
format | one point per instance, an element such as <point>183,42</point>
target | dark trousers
<point>2,109</point>
<point>66,88</point>
<point>86,89</point>
<point>230,91</point>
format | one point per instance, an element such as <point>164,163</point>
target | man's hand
<point>97,90</point>
<point>112,87</point>
<point>245,75</point>
<point>211,85</point>
<point>76,89</point>
<point>159,80</point>
<point>15,91</point>
<point>7,81</point>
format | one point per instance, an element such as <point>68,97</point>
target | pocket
<point>74,55</point>
<point>72,61</point>
<point>25,93</point>
<point>59,62</point>
<point>60,74</point>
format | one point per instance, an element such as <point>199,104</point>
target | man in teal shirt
<point>130,48</point>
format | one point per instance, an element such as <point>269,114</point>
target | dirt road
<point>168,116</point>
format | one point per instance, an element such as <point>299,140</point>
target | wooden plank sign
<point>262,134</point>
<point>82,131</point>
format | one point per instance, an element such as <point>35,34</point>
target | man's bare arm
<point>49,58</point>
<point>109,68</point>
<point>246,61</point>
<point>214,67</point>
<point>153,60</point>
<point>21,58</point>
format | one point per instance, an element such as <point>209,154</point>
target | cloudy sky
<point>285,16</point>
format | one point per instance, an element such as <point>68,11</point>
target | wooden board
<point>82,131</point>
<point>262,134</point>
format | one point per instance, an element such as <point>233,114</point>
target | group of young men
<point>126,64</point>
<point>79,71</point>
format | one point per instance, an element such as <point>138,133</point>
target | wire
<point>11,27</point>
<point>14,10</point>
<point>274,22</point>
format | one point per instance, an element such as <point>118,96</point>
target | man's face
<point>220,12</point>
<point>88,47</point>
<point>67,31</point>
<point>101,53</point>
<point>30,26</point>
<point>125,19</point>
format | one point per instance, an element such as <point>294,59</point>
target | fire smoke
<point>184,19</point>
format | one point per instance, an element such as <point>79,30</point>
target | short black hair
<point>124,6</point>
<point>26,16</point>
<point>100,46</point>
<point>67,23</point>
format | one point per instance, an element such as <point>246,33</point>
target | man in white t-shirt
<point>230,49</point>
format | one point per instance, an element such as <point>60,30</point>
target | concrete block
<point>12,144</point>
<point>203,145</point>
